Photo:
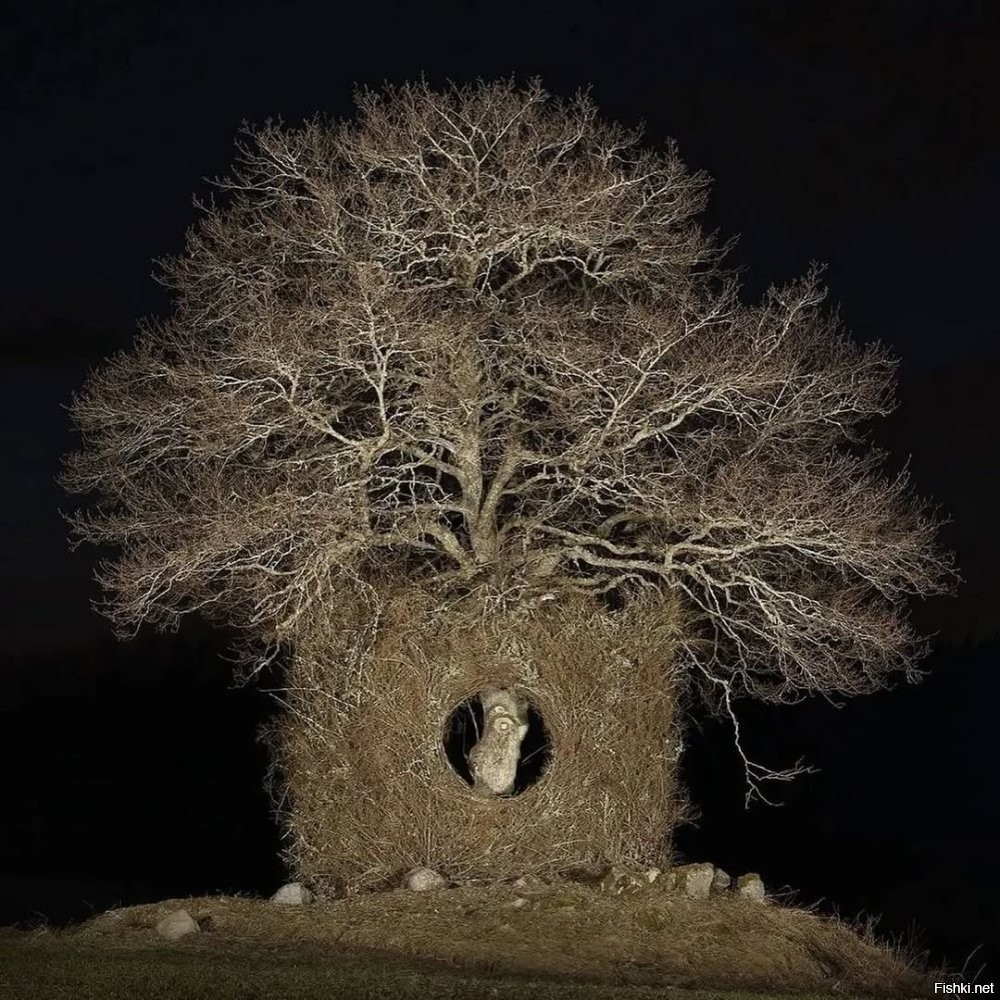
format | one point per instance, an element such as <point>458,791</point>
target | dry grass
<point>369,793</point>
<point>563,932</point>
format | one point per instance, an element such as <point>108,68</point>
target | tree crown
<point>479,334</point>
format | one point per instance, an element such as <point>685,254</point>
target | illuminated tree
<point>479,337</point>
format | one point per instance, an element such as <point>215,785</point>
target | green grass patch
<point>43,967</point>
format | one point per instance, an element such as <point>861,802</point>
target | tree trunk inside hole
<point>493,760</point>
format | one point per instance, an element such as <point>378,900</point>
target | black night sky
<point>862,135</point>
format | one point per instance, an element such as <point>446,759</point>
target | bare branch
<point>480,333</point>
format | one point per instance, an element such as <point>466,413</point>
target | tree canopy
<point>480,334</point>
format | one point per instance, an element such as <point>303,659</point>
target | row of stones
<point>696,881</point>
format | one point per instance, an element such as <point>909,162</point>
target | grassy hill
<point>564,941</point>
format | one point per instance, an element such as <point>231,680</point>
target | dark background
<point>858,134</point>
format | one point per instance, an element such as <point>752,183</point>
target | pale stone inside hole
<point>497,742</point>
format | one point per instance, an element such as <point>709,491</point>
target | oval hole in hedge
<point>461,733</point>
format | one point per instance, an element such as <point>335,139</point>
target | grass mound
<point>557,932</point>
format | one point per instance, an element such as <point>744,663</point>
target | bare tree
<point>480,334</point>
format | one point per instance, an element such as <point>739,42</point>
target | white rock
<point>651,875</point>
<point>293,894</point>
<point>176,925</point>
<point>695,880</point>
<point>750,886</point>
<point>422,879</point>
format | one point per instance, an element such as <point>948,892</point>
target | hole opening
<point>463,729</point>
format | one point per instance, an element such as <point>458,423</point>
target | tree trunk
<point>493,760</point>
